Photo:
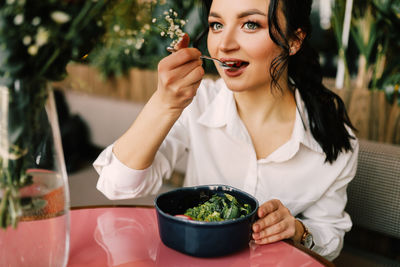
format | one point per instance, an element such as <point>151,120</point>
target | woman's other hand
<point>276,223</point>
<point>179,76</point>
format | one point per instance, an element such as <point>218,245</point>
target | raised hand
<point>179,76</point>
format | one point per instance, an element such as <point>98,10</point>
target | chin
<point>235,86</point>
<point>242,85</point>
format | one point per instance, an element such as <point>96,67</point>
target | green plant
<point>37,40</point>
<point>135,40</point>
<point>375,31</point>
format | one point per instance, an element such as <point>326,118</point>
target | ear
<point>296,43</point>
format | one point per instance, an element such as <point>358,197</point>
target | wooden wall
<point>370,112</point>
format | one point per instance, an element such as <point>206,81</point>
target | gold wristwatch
<point>307,238</point>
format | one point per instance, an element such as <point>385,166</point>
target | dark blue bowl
<point>197,238</point>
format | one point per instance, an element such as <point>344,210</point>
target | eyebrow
<point>243,14</point>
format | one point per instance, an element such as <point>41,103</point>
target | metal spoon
<point>222,64</point>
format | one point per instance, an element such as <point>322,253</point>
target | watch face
<point>308,241</point>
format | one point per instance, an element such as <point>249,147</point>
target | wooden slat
<point>359,111</point>
<point>377,116</point>
<point>393,126</point>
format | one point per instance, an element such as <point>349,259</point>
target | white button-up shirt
<point>212,138</point>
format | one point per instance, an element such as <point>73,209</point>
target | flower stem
<point>49,62</point>
<point>4,216</point>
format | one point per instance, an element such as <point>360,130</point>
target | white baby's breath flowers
<point>129,41</point>
<point>139,44</point>
<point>60,17</point>
<point>27,40</point>
<point>42,36</point>
<point>36,21</point>
<point>33,49</point>
<point>173,29</point>
<point>18,19</point>
<point>134,39</point>
<point>116,28</point>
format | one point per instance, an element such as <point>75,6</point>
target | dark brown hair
<point>326,111</point>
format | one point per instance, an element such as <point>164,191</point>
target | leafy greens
<point>219,208</point>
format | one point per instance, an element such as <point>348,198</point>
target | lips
<point>238,66</point>
<point>236,63</point>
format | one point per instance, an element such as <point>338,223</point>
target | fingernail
<point>256,227</point>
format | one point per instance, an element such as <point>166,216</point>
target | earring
<point>291,51</point>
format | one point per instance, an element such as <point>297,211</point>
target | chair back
<point>374,193</point>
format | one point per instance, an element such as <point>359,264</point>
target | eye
<point>250,25</point>
<point>215,26</point>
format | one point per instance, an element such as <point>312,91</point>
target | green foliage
<point>26,136</point>
<point>219,208</point>
<point>37,40</point>
<point>126,21</point>
<point>34,43</point>
<point>375,31</point>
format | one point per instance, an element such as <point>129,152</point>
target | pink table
<point>128,236</point>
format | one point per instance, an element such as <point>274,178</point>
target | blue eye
<point>251,25</point>
<point>215,26</point>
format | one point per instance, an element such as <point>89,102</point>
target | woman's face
<point>239,34</point>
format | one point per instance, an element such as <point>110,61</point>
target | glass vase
<point>34,194</point>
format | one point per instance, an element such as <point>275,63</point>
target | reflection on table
<point>128,236</point>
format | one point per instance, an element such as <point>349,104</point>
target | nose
<point>228,41</point>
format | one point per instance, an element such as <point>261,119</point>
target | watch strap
<point>307,234</point>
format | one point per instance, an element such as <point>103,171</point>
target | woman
<point>268,127</point>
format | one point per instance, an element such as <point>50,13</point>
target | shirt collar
<point>217,113</point>
<point>302,130</point>
<point>222,112</point>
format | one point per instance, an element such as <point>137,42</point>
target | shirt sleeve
<point>118,181</point>
<point>326,219</point>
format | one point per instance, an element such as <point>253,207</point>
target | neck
<point>266,104</point>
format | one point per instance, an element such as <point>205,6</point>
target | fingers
<point>179,75</point>
<point>268,207</point>
<point>183,43</point>
<point>180,55</point>
<point>187,87</point>
<point>191,79</point>
<point>275,223</point>
<point>182,76</point>
<point>279,231</point>
<point>268,216</point>
<point>179,58</point>
<point>183,71</point>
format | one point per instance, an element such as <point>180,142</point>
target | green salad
<point>218,208</point>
